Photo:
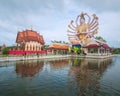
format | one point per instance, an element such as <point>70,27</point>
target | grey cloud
<point>13,9</point>
<point>100,5</point>
<point>30,5</point>
<point>47,16</point>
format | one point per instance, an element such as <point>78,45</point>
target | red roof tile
<point>91,46</point>
<point>29,35</point>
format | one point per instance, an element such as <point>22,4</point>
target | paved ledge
<point>93,56</point>
<point>32,58</point>
<point>22,58</point>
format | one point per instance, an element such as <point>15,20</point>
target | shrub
<point>5,51</point>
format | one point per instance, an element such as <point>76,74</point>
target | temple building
<point>97,47</point>
<point>29,40</point>
<point>58,48</point>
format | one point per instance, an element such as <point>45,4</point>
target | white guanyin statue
<point>83,30</point>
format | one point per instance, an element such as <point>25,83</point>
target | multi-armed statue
<point>83,30</point>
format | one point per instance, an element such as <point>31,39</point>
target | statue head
<point>82,19</point>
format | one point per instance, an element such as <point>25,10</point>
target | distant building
<point>30,40</point>
<point>3,46</point>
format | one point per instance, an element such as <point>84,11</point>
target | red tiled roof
<point>29,35</point>
<point>97,46</point>
<point>105,46</point>
<point>91,46</point>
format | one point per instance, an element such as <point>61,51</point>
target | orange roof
<point>29,35</point>
<point>59,46</point>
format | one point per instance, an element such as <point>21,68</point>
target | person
<point>38,54</point>
<point>25,54</point>
<point>32,54</point>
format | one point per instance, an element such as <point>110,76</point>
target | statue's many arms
<point>83,30</point>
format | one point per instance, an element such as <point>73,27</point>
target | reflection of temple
<point>58,63</point>
<point>87,73</point>
<point>30,40</point>
<point>29,68</point>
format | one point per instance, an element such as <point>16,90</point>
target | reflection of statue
<point>28,69</point>
<point>83,32</point>
<point>88,74</point>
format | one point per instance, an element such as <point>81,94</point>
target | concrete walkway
<point>94,56</point>
<point>52,57</point>
<point>21,58</point>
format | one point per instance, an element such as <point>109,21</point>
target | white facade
<point>32,46</point>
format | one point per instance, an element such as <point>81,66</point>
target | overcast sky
<point>51,17</point>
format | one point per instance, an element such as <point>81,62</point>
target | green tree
<point>100,38</point>
<point>5,51</point>
<point>116,51</point>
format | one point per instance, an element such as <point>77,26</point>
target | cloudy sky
<point>51,17</point>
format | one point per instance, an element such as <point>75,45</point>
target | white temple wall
<point>33,46</point>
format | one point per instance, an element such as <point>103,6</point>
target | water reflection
<point>28,68</point>
<point>87,74</point>
<point>63,77</point>
<point>57,64</point>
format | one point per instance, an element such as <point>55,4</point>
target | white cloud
<point>109,25</point>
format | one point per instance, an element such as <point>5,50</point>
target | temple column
<point>25,47</point>
<point>31,47</point>
<point>34,47</point>
<point>28,46</point>
<point>98,50</point>
<point>37,47</point>
<point>52,51</point>
<point>103,51</point>
<point>40,47</point>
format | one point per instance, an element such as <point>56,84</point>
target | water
<point>63,77</point>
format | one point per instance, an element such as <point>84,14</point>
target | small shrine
<point>58,48</point>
